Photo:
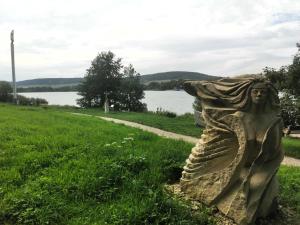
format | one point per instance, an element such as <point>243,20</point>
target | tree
<point>293,75</point>
<point>102,78</point>
<point>290,110</point>
<point>87,89</point>
<point>5,91</point>
<point>287,80</point>
<point>277,77</point>
<point>131,91</point>
<point>105,79</point>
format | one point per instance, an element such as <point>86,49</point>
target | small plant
<point>31,101</point>
<point>166,113</point>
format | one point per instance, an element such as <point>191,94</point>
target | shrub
<point>5,90</point>
<point>290,109</point>
<point>22,100</point>
<point>31,101</point>
<point>166,113</point>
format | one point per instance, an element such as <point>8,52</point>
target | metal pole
<point>13,66</point>
<point>106,104</point>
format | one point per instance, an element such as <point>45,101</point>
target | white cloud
<point>218,37</point>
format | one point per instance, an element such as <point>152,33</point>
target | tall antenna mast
<point>13,65</point>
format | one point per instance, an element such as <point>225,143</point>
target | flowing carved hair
<point>232,93</point>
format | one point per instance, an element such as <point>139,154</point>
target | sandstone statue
<point>234,164</point>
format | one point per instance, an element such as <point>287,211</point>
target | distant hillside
<point>160,77</point>
<point>176,75</point>
<point>49,82</point>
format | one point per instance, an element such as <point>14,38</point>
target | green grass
<point>181,125</point>
<point>289,179</point>
<point>57,168</point>
<point>291,147</point>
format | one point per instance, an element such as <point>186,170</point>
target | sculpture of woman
<point>234,164</point>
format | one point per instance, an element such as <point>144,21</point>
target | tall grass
<point>56,168</point>
<point>62,169</point>
<point>291,147</point>
<point>289,179</point>
<point>183,124</point>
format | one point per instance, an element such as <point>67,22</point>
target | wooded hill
<point>158,77</point>
<point>175,75</point>
<point>156,81</point>
<point>49,82</point>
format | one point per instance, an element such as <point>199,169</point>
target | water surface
<point>176,101</point>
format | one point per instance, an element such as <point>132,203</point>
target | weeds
<point>291,147</point>
<point>62,169</point>
<point>56,168</point>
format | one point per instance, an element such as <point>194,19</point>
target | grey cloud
<point>5,72</point>
<point>223,56</point>
<point>224,61</point>
<point>38,45</point>
<point>285,17</point>
<point>195,45</point>
<point>61,69</point>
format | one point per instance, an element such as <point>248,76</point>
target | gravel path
<point>286,161</point>
<point>295,135</point>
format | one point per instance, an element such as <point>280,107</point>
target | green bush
<point>31,101</point>
<point>291,147</point>
<point>5,90</point>
<point>166,113</point>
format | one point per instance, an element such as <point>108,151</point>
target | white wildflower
<point>128,139</point>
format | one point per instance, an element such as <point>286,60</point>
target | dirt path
<point>295,135</point>
<point>286,161</point>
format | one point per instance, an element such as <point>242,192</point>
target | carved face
<point>259,93</point>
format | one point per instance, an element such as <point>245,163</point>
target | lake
<point>175,101</point>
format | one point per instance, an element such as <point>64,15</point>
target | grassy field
<point>289,179</point>
<point>57,168</point>
<point>181,124</point>
<point>291,147</point>
<point>62,169</point>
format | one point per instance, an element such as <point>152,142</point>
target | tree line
<point>165,85</point>
<point>47,89</point>
<point>7,96</point>
<point>287,80</point>
<point>154,85</point>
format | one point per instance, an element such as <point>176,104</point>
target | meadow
<point>57,168</point>
<point>183,124</point>
<point>62,169</point>
<point>291,147</point>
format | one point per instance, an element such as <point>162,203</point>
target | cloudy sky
<point>218,37</point>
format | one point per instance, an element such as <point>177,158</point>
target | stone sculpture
<point>234,164</point>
